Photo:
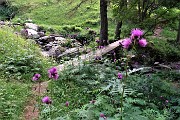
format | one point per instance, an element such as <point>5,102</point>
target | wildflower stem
<point>39,94</point>
<point>51,92</point>
<point>123,86</point>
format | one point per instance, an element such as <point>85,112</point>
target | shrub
<point>7,11</point>
<point>159,50</point>
<point>19,58</point>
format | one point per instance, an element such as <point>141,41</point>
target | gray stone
<point>71,51</point>
<point>2,23</point>
<point>31,26</point>
<point>47,39</point>
<point>41,34</point>
<point>47,47</point>
<point>29,33</point>
<point>56,51</point>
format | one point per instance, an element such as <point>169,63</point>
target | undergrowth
<point>96,90</point>
<point>19,58</point>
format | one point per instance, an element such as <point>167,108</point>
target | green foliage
<point>19,58</point>
<point>7,11</point>
<point>71,28</point>
<point>92,22</point>
<point>156,90</point>
<point>19,66</point>
<point>169,33</point>
<point>99,82</point>
<point>56,13</point>
<point>159,50</point>
<point>13,96</point>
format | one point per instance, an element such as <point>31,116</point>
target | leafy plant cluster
<point>13,96</point>
<point>19,66</point>
<point>159,50</point>
<point>7,11</point>
<point>19,58</point>
<point>159,92</point>
<point>96,89</point>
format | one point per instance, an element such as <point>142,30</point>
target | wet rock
<point>40,43</point>
<point>71,52</point>
<point>2,23</point>
<point>41,34</point>
<point>31,26</point>
<point>29,33</point>
<point>56,51</point>
<point>60,40</point>
<point>47,39</point>
<point>47,47</point>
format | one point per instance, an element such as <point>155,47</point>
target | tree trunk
<point>118,31</point>
<point>104,23</point>
<point>178,35</point>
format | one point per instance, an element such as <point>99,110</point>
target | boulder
<point>60,40</point>
<point>31,26</point>
<point>71,52</point>
<point>30,33</point>
<point>47,39</point>
<point>56,51</point>
<point>47,47</point>
<point>2,23</point>
<point>41,34</point>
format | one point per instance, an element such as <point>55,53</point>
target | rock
<point>40,43</point>
<point>56,51</point>
<point>41,34</point>
<point>2,23</point>
<point>31,26</point>
<point>60,40</point>
<point>47,39</point>
<point>71,51</point>
<point>30,33</point>
<point>76,44</point>
<point>24,33</point>
<point>47,47</point>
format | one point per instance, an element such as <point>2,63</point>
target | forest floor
<point>31,110</point>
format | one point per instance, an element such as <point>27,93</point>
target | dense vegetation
<point>18,64</point>
<point>103,88</point>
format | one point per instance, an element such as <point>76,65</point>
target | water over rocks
<point>52,45</point>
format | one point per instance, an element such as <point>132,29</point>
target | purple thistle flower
<point>120,76</point>
<point>52,73</point>
<point>167,101</point>
<point>67,104</point>
<point>46,100</point>
<point>36,77</point>
<point>143,42</point>
<point>136,33</point>
<point>126,43</point>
